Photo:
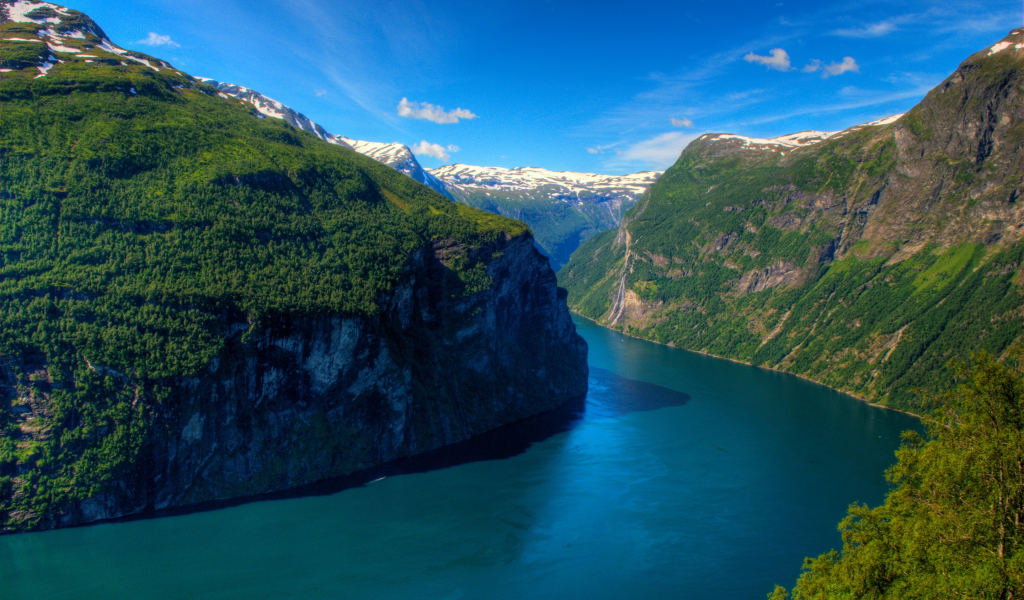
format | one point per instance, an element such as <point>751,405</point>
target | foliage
<point>141,218</point>
<point>951,526</point>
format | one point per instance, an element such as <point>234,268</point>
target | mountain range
<point>865,259</point>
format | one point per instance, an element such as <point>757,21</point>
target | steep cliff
<point>198,303</point>
<point>865,259</point>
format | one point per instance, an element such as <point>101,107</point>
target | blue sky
<point>611,87</point>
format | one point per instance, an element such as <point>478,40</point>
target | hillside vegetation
<point>866,261</point>
<point>140,213</point>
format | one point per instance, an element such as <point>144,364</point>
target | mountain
<point>395,155</point>
<point>563,209</point>
<point>864,259</point>
<point>200,303</point>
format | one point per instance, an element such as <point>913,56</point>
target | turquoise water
<point>683,476</point>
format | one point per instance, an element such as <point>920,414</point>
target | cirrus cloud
<point>681,122</point>
<point>868,31</point>
<point>433,113</point>
<point>777,60</point>
<point>155,39</point>
<point>437,151</point>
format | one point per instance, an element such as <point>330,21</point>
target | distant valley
<point>562,208</point>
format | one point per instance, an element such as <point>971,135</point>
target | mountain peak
<point>41,35</point>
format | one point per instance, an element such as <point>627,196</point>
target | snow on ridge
<point>800,139</point>
<point>885,121</point>
<point>527,178</point>
<point>792,140</point>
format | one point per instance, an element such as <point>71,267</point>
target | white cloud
<point>435,150</point>
<point>778,60</point>
<point>659,151</point>
<point>593,150</point>
<point>681,122</point>
<point>430,112</point>
<point>155,39</point>
<point>847,66</point>
<point>320,93</point>
<point>868,31</point>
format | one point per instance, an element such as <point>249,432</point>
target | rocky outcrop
<point>776,274</point>
<point>297,400</point>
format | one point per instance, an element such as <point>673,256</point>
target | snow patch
<point>999,48</point>
<point>56,48</point>
<point>44,69</point>
<point>17,12</point>
<point>22,40</point>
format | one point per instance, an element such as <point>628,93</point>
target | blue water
<point>683,476</point>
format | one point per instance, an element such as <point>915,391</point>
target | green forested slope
<point>866,261</point>
<point>140,213</point>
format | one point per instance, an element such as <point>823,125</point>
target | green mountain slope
<point>866,261</point>
<point>199,303</point>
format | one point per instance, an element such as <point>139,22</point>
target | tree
<point>951,525</point>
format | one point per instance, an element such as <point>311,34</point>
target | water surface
<point>682,476</point>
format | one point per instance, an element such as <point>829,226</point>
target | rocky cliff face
<point>866,259</point>
<point>305,399</point>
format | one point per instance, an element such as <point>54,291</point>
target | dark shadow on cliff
<point>609,396</point>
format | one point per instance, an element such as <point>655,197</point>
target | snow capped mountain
<point>794,140</point>
<point>395,155</point>
<point>562,208</point>
<point>531,178</point>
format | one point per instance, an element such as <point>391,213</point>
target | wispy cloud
<point>857,99</point>
<point>684,122</point>
<point>868,31</point>
<point>659,151</point>
<point>777,60</point>
<point>437,151</point>
<point>320,93</point>
<point>602,149</point>
<point>849,65</point>
<point>430,112</point>
<point>155,39</point>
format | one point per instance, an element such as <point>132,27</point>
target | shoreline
<point>735,360</point>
